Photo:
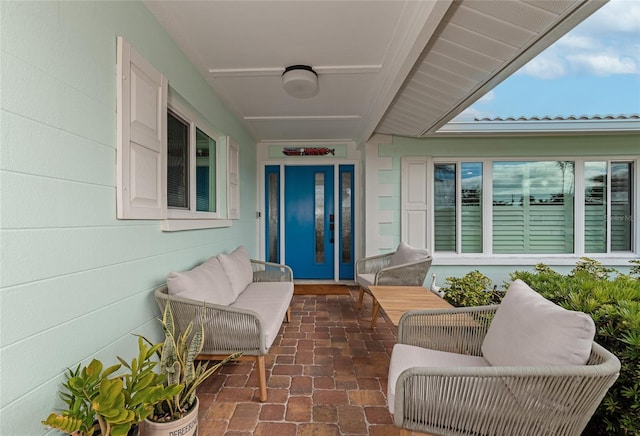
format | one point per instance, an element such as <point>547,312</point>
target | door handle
<point>331,227</point>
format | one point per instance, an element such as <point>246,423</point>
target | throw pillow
<point>407,254</point>
<point>206,282</point>
<point>237,266</point>
<point>529,330</point>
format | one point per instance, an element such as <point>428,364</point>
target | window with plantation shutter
<point>457,211</point>
<point>193,174</point>
<point>608,206</point>
<point>177,162</point>
<point>533,208</point>
<point>520,207</point>
<point>167,154</point>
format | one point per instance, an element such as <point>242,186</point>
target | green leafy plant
<point>635,269</point>
<point>473,289</point>
<point>177,364</point>
<point>613,301</point>
<point>98,399</point>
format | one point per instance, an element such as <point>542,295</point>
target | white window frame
<point>183,219</point>
<point>525,258</point>
<point>143,102</point>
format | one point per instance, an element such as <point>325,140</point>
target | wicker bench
<point>241,301</point>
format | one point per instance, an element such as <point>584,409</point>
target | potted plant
<point>101,401</point>
<point>177,363</point>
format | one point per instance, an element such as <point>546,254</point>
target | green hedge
<point>611,299</point>
<point>614,305</point>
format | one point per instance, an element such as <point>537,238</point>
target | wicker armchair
<point>490,400</point>
<point>230,329</point>
<point>379,271</point>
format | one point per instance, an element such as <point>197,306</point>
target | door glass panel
<point>319,212</point>
<point>345,229</point>
<point>177,162</point>
<point>205,172</point>
<point>273,190</point>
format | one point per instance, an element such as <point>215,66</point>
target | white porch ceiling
<point>394,67</point>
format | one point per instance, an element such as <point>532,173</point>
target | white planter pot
<point>187,426</point>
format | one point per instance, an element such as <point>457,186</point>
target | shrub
<point>474,289</point>
<point>614,305</point>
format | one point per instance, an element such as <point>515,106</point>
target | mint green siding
<point>74,281</point>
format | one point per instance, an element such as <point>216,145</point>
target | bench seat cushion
<point>270,300</point>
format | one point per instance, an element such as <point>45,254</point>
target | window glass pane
<point>177,162</point>
<point>205,172</point>
<point>621,194</point>
<point>533,210</point>
<point>319,202</point>
<point>445,207</point>
<point>595,207</point>
<point>346,217</point>
<point>273,192</point>
<point>471,180</point>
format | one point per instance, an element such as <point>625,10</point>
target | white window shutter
<point>414,202</point>
<point>141,135</point>
<point>233,166</point>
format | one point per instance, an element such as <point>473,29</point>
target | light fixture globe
<point>300,81</point>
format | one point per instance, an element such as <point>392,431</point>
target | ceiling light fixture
<point>300,81</point>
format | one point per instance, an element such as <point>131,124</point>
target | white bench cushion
<point>237,266</point>
<point>206,282</point>
<point>270,300</point>
<point>529,330</point>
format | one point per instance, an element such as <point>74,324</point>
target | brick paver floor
<point>326,371</point>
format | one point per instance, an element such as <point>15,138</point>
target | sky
<point>592,70</point>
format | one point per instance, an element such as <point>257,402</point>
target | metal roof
<point>564,118</point>
<point>629,123</point>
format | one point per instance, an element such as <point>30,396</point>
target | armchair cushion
<point>206,282</point>
<point>237,266</point>
<point>407,254</point>
<point>366,279</point>
<point>529,330</point>
<point>408,356</point>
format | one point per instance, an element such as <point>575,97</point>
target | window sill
<point>619,259</point>
<point>178,225</point>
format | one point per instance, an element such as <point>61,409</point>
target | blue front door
<point>310,221</point>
